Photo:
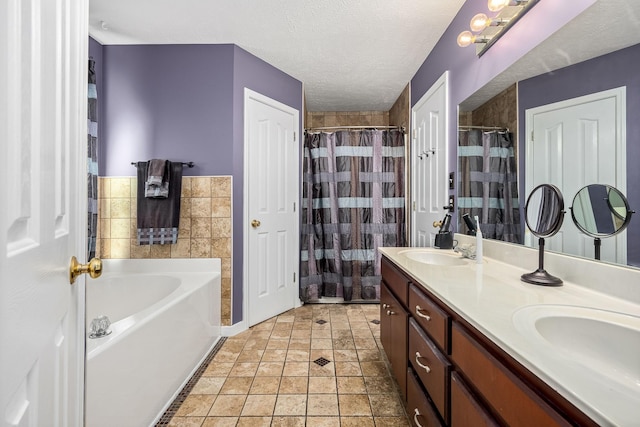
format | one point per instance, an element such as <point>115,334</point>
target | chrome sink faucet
<point>466,250</point>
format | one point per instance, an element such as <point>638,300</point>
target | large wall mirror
<point>497,122</point>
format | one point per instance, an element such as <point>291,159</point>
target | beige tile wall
<point>346,118</point>
<point>501,110</point>
<point>400,112</point>
<point>204,230</point>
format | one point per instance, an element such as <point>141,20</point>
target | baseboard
<point>235,329</point>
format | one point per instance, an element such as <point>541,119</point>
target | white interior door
<point>272,221</point>
<point>575,143</point>
<point>43,110</point>
<point>429,162</point>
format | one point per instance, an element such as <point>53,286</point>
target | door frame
<point>253,95</point>
<point>441,83</point>
<point>620,97</point>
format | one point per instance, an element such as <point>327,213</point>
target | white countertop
<point>488,295</point>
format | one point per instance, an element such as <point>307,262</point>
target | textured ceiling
<point>351,55</point>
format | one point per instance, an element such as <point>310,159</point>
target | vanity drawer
<point>397,282</point>
<point>419,407</point>
<point>430,317</point>
<point>465,409</point>
<point>431,366</point>
<point>513,400</point>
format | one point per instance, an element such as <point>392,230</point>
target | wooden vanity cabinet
<point>468,380</point>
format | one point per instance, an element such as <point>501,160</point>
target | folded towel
<point>154,191</point>
<point>156,171</point>
<point>158,218</point>
<point>157,179</point>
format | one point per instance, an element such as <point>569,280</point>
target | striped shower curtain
<point>489,183</point>
<point>353,203</point>
<point>92,162</point>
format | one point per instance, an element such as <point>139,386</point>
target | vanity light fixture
<point>466,38</point>
<point>487,30</point>
<point>481,21</point>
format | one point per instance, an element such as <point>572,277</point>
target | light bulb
<point>479,22</point>
<point>497,5</point>
<point>465,38</point>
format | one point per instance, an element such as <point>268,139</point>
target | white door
<point>572,144</point>
<point>271,216</point>
<point>43,122</point>
<point>429,162</point>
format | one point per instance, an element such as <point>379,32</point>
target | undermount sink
<point>430,256</point>
<point>606,343</point>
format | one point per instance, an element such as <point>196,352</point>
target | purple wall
<point>255,74</point>
<point>168,101</point>
<point>186,102</point>
<point>605,72</point>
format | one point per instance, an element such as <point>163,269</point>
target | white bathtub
<point>165,318</point>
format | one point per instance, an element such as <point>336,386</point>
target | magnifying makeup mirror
<point>544,213</point>
<point>599,211</point>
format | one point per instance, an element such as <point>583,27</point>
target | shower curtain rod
<point>401,128</point>
<point>498,128</point>
<point>187,164</point>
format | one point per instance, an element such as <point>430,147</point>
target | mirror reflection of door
<point>574,143</point>
<point>600,211</point>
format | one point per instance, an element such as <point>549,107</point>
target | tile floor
<point>317,365</point>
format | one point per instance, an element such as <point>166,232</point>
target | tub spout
<point>99,327</point>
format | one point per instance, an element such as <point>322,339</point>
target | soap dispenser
<point>478,241</point>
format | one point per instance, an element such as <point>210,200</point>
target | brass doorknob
<point>94,268</point>
<point>437,224</point>
<point>255,223</point>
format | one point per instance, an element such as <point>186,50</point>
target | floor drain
<point>375,321</point>
<point>321,322</point>
<point>321,361</point>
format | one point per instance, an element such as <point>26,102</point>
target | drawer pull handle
<point>425,367</point>
<point>416,414</point>
<point>424,316</point>
<point>390,313</point>
<point>385,306</point>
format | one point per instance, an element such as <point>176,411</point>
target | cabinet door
<point>514,401</point>
<point>465,410</point>
<point>393,334</point>
<point>385,321</point>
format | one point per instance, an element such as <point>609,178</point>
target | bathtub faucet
<point>99,327</point>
